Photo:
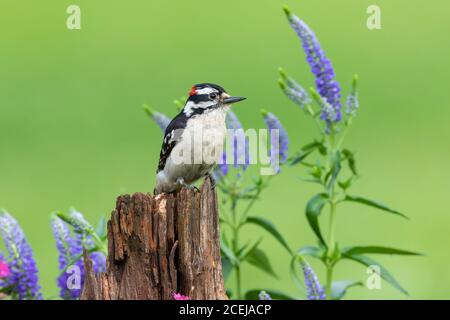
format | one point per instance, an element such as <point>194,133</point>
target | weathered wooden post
<point>161,244</point>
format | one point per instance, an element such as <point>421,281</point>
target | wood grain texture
<point>161,244</point>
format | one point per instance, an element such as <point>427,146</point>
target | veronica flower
<point>264,296</point>
<point>222,168</point>
<point>67,249</point>
<point>23,278</point>
<point>320,65</point>
<point>83,230</point>
<point>179,296</point>
<point>352,102</point>
<point>78,221</point>
<point>160,119</point>
<point>293,90</point>
<point>70,249</point>
<point>239,140</point>
<point>314,289</point>
<point>241,156</point>
<point>278,145</point>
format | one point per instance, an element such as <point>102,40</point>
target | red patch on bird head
<point>193,91</point>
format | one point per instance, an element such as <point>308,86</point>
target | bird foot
<point>183,184</point>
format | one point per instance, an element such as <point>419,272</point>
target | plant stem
<point>331,227</point>
<point>235,248</point>
<point>331,248</point>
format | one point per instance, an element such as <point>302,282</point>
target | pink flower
<point>4,270</point>
<point>179,296</point>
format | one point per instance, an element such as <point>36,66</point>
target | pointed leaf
<point>350,160</point>
<point>384,273</point>
<point>270,227</point>
<point>227,252</point>
<point>334,171</point>
<point>339,288</point>
<point>100,230</point>
<point>374,204</point>
<point>293,268</point>
<point>311,251</point>
<point>299,158</point>
<point>259,259</point>
<point>377,250</point>
<point>313,210</point>
<point>227,268</point>
<point>253,294</point>
<point>245,253</point>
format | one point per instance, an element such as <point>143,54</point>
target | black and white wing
<point>171,137</point>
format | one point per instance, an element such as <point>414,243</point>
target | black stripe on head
<point>199,98</point>
<point>211,85</point>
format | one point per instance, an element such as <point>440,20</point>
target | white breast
<point>210,129</point>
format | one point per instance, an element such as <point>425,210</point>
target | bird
<point>193,140</point>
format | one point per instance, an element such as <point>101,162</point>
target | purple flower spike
<point>293,90</point>
<point>352,102</point>
<point>240,151</point>
<point>314,289</point>
<point>320,65</point>
<point>67,249</point>
<point>241,157</point>
<point>160,119</point>
<point>23,278</point>
<point>281,144</point>
<point>223,167</point>
<point>70,249</point>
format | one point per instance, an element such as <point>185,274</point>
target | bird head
<point>207,96</point>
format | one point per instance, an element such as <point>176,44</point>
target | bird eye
<point>213,95</point>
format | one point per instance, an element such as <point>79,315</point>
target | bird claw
<point>183,184</point>
<point>191,187</point>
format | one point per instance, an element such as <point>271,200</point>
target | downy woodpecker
<point>193,141</point>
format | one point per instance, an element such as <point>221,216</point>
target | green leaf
<point>377,250</point>
<point>384,273</point>
<point>305,152</point>
<point>334,171</point>
<point>227,268</point>
<point>259,259</point>
<point>100,230</point>
<point>242,255</point>
<point>270,227</point>
<point>339,288</point>
<point>299,158</point>
<point>316,172</point>
<point>253,294</point>
<point>227,252</point>
<point>293,268</point>
<point>374,204</point>
<point>313,210</point>
<point>350,157</point>
<point>313,180</point>
<point>347,183</point>
<point>311,251</point>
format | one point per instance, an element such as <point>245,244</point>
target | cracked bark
<point>161,244</point>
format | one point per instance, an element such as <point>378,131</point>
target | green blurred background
<point>72,131</point>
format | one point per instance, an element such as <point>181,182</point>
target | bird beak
<point>231,100</point>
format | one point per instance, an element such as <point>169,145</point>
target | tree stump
<point>158,245</point>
